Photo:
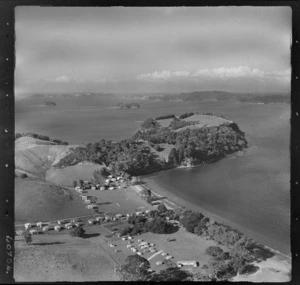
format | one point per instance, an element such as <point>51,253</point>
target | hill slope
<point>40,201</point>
<point>37,156</point>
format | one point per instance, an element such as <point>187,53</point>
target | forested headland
<point>140,154</point>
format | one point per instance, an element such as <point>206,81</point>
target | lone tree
<point>98,178</point>
<point>27,237</point>
<point>77,232</point>
<point>135,268</point>
<point>74,183</point>
<point>104,172</point>
<point>171,274</point>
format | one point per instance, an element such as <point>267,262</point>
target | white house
<point>27,226</point>
<point>34,232</point>
<point>58,228</point>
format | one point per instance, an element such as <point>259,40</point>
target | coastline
<point>274,269</point>
<point>179,202</point>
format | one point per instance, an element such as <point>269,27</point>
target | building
<point>191,263</point>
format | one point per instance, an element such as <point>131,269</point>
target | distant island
<point>50,103</point>
<point>164,142</point>
<point>133,105</point>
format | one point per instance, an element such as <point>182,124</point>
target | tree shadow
<point>158,198</point>
<point>104,203</point>
<point>47,243</point>
<point>91,235</point>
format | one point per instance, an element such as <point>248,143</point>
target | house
<point>58,228</point>
<point>19,232</point>
<point>182,263</point>
<point>27,226</point>
<point>34,232</point>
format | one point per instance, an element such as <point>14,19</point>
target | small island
<point>133,105</point>
<point>50,103</point>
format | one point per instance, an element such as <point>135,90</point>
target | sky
<point>145,49</point>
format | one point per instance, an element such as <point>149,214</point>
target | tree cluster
<point>186,115</point>
<point>170,116</point>
<point>40,137</point>
<point>177,124</point>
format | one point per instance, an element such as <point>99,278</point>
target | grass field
<point>52,258</point>
<point>205,120</point>
<point>37,201</point>
<point>36,156</point>
<point>66,176</point>
<point>121,201</point>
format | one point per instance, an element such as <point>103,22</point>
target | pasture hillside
<point>36,156</point>
<point>40,201</point>
<point>65,176</point>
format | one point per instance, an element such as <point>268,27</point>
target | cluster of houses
<point>111,183</point>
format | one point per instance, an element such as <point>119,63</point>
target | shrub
<point>77,232</point>
<point>148,123</point>
<point>125,231</point>
<point>190,220</point>
<point>23,175</point>
<point>214,251</point>
<point>27,237</point>
<point>74,183</point>
<point>135,268</point>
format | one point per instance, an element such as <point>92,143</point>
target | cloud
<point>163,75</point>
<point>217,73</point>
<point>61,79</point>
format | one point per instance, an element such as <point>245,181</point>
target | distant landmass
<point>206,96</point>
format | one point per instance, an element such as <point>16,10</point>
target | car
<point>78,224</point>
<point>45,229</point>
<point>91,222</point>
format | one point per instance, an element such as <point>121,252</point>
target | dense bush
<point>40,137</point>
<point>186,115</point>
<point>171,275</point>
<point>159,225</point>
<point>190,220</point>
<point>162,208</point>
